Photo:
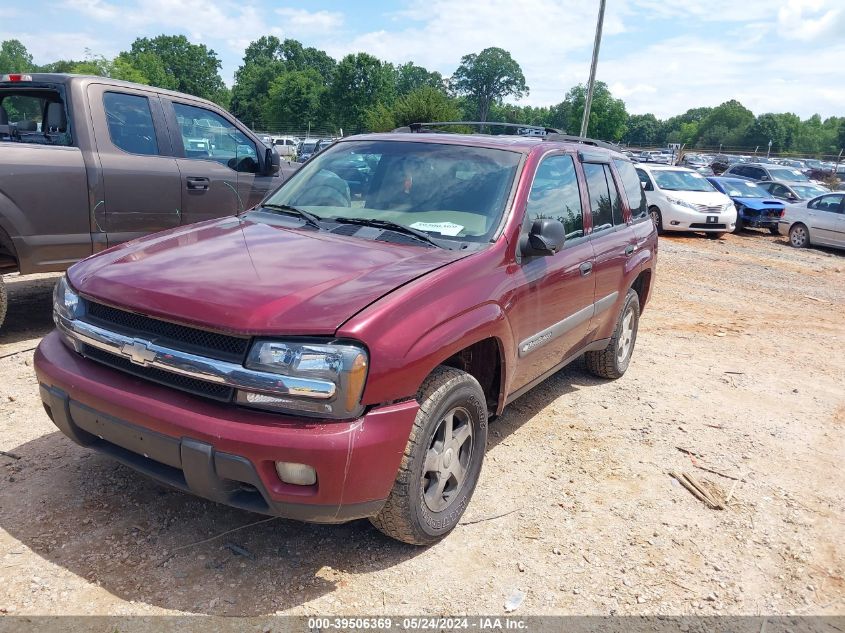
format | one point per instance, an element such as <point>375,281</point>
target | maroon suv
<point>337,351</point>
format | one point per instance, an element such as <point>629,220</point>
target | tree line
<point>284,85</point>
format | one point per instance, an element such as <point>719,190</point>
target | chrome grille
<point>703,208</point>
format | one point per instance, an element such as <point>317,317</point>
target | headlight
<point>326,379</point>
<point>728,206</point>
<point>681,203</point>
<point>66,303</point>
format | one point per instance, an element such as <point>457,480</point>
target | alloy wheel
<point>447,459</point>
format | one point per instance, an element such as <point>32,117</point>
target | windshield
<point>33,115</point>
<point>742,189</point>
<point>677,180</point>
<point>808,191</point>
<point>787,174</point>
<point>450,191</point>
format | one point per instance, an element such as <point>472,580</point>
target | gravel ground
<point>739,369</point>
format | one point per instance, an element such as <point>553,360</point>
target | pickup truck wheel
<point>613,360</point>
<point>442,460</point>
<point>799,237</point>
<point>4,300</point>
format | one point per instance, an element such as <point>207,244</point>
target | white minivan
<point>680,199</point>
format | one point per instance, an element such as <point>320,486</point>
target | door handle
<point>586,268</point>
<point>197,183</point>
<point>629,250</point>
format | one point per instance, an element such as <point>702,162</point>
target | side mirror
<point>546,237</point>
<point>791,196</point>
<point>272,162</point>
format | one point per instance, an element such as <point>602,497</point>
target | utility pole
<point>769,151</point>
<point>588,103</point>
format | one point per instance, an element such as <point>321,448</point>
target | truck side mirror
<point>546,237</point>
<point>272,162</point>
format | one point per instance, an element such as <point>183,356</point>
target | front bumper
<point>223,452</point>
<point>679,218</point>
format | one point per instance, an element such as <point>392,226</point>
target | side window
<point>830,203</point>
<point>601,199</point>
<point>633,189</point>
<point>208,136</point>
<point>757,173</point>
<point>555,194</point>
<point>130,123</point>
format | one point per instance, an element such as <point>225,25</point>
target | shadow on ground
<point>30,312</point>
<point>146,543</point>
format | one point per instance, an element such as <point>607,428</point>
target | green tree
<point>15,58</point>
<point>425,104</point>
<point>487,78</point>
<point>410,77</point>
<point>642,130</point>
<point>190,68</point>
<point>608,117</point>
<point>727,123</point>
<point>765,128</point>
<point>294,99</point>
<point>361,82</point>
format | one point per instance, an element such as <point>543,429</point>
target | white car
<point>680,199</point>
<point>818,221</point>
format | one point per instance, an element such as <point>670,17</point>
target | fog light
<point>674,223</point>
<point>297,474</point>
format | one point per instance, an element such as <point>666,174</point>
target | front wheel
<point>442,461</point>
<point>656,218</point>
<point>799,236</point>
<point>613,360</point>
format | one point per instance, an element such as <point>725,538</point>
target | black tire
<point>799,235</point>
<point>608,363</point>
<point>408,515</point>
<point>714,236</point>
<point>657,219</point>
<point>774,230</point>
<point>740,225</point>
<point>4,300</point>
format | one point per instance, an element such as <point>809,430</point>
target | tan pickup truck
<point>89,162</point>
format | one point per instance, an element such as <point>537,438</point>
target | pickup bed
<point>90,162</point>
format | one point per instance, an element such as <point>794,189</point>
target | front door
<point>217,163</point>
<point>825,216</point>
<point>141,184</point>
<point>553,296</point>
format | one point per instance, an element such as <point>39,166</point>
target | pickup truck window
<point>605,202</point>
<point>555,194</point>
<point>208,136</point>
<point>633,189</point>
<point>33,116</point>
<point>130,123</point>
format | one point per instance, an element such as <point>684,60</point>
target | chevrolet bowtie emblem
<point>138,352</point>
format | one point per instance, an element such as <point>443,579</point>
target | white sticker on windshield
<point>444,228</point>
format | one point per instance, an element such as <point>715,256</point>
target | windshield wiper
<point>393,226</point>
<point>310,218</point>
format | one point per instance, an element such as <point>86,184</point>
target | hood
<point>759,203</point>
<point>249,277</point>
<point>708,198</point>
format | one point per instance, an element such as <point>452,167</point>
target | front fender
<point>398,376</point>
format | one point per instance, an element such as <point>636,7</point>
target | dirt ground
<point>739,368</point>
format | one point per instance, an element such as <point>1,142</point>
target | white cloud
<point>302,21</point>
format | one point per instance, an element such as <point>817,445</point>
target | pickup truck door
<point>217,162</point>
<point>141,185</point>
<point>553,296</point>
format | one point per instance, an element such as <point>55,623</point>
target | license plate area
<point>712,219</point>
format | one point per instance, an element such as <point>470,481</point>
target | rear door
<point>140,177</point>
<point>553,298</point>
<point>217,163</point>
<point>612,244</point>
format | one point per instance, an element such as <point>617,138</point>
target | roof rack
<point>581,139</point>
<point>420,127</point>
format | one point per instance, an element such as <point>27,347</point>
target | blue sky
<point>660,56</point>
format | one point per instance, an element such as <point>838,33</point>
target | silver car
<point>820,221</point>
